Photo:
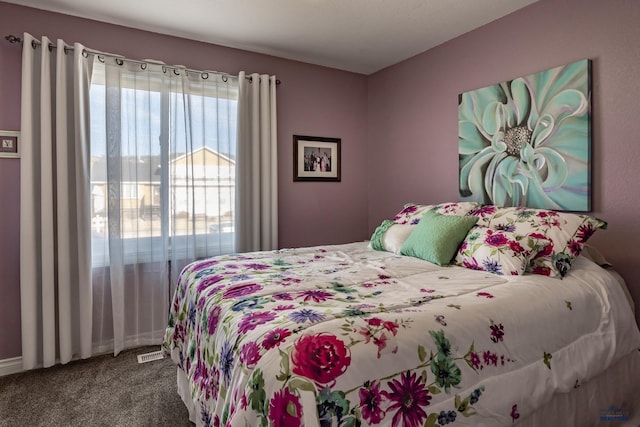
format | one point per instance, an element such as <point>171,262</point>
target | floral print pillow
<point>411,213</point>
<point>566,232</point>
<point>498,251</point>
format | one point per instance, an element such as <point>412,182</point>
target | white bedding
<point>400,341</point>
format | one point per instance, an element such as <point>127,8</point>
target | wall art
<point>527,141</point>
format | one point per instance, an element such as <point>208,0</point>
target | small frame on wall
<point>316,158</point>
<point>9,143</point>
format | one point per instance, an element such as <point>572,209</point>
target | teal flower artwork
<point>527,141</point>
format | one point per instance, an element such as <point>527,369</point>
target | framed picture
<point>9,143</point>
<point>527,141</point>
<point>316,158</point>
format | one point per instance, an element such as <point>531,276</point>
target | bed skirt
<point>185,395</point>
<point>609,399</point>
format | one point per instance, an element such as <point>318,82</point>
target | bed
<point>506,331</point>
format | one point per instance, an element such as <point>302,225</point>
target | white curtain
<point>55,260</point>
<point>130,171</point>
<point>163,181</point>
<point>257,180</point>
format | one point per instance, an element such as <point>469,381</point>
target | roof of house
<point>147,169</point>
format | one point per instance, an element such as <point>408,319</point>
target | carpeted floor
<point>101,391</point>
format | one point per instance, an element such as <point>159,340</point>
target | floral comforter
<point>346,336</point>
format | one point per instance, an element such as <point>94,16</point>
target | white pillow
<point>395,236</point>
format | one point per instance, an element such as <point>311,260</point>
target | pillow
<point>592,254</point>
<point>411,213</point>
<point>496,251</point>
<point>390,236</point>
<point>567,233</point>
<point>437,237</point>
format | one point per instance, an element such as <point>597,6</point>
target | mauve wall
<point>413,114</point>
<point>311,101</point>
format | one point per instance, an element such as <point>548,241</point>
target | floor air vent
<point>149,357</point>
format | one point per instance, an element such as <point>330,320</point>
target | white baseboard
<point>14,365</point>
<point>10,366</point>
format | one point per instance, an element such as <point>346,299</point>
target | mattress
<point>344,335</point>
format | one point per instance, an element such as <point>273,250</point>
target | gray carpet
<point>101,391</point>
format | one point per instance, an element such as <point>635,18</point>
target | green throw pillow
<point>437,237</point>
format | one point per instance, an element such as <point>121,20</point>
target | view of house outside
<point>169,176</point>
<point>201,195</point>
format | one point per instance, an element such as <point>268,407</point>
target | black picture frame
<point>316,158</point>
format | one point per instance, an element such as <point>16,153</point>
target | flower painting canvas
<point>527,141</point>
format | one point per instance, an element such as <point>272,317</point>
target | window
<point>163,149</point>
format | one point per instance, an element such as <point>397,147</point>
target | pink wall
<point>312,100</point>
<point>413,111</point>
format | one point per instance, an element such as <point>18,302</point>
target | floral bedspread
<point>347,336</point>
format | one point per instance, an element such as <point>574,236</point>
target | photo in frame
<point>9,144</point>
<point>316,158</point>
<point>527,141</point>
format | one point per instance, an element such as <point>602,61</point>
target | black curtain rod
<point>120,60</point>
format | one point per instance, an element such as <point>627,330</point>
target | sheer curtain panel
<point>163,143</point>
<point>55,260</point>
<point>257,174</point>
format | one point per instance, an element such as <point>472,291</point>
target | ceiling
<point>361,36</point>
